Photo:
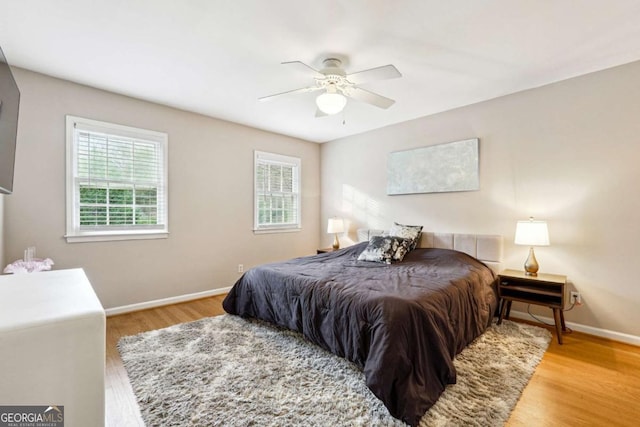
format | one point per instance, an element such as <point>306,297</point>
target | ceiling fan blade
<point>301,90</point>
<point>369,97</point>
<point>320,113</point>
<point>300,64</point>
<point>378,73</point>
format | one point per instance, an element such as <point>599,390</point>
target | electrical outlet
<point>240,268</point>
<point>575,298</point>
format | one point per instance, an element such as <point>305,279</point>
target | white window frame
<point>261,156</point>
<point>75,233</point>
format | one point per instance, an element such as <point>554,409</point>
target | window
<point>116,182</point>
<point>276,192</point>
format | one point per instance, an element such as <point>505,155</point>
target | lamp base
<point>531,264</point>
<point>336,242</point>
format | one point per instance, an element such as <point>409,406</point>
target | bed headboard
<point>485,247</point>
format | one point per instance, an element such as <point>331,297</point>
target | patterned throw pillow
<point>411,232</point>
<point>385,249</point>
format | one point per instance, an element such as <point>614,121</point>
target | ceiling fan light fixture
<point>331,103</point>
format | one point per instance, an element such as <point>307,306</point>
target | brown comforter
<point>401,323</point>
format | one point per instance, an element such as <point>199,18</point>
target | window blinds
<point>119,179</point>
<point>277,191</point>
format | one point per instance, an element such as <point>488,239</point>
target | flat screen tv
<point>9,106</point>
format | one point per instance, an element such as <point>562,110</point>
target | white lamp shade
<point>336,225</point>
<point>331,103</point>
<point>532,233</point>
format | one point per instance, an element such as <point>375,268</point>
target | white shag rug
<point>228,371</point>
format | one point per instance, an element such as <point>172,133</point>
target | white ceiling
<point>216,57</point>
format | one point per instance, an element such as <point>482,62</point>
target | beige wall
<point>2,260</point>
<point>210,190</point>
<point>567,153</point>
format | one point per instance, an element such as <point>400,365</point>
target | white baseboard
<point>165,301</point>
<point>598,332</point>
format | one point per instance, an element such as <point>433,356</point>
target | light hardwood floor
<point>587,381</point>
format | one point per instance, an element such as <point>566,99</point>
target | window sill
<point>108,237</point>
<point>276,230</point>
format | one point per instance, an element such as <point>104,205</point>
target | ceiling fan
<point>336,86</point>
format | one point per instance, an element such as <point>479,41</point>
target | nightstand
<point>544,289</point>
<point>325,250</point>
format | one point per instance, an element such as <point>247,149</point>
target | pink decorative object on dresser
<point>35,265</point>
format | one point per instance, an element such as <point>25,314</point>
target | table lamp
<point>532,233</point>
<point>336,225</point>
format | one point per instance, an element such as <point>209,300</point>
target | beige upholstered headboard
<point>485,247</point>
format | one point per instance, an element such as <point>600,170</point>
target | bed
<point>402,323</point>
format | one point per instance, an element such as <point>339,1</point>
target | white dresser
<point>52,344</point>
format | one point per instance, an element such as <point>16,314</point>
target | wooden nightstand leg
<point>556,316</point>
<point>502,311</point>
<point>508,309</point>
<point>564,327</point>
